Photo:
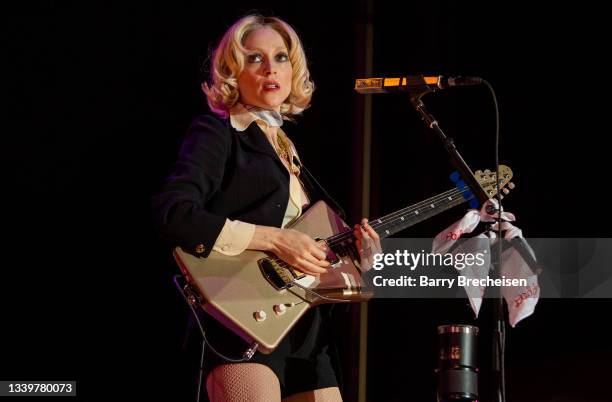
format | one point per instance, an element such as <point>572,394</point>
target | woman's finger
<point>371,232</point>
<point>317,252</point>
<point>357,231</point>
<point>313,259</point>
<point>309,268</point>
<point>365,235</point>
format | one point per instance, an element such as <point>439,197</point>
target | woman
<point>236,185</point>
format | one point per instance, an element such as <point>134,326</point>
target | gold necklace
<point>285,152</point>
<point>281,147</point>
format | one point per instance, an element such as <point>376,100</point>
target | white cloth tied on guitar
<point>521,300</point>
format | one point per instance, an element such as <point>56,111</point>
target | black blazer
<point>221,173</point>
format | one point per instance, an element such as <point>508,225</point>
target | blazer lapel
<point>255,139</point>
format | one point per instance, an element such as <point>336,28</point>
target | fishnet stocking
<point>253,382</point>
<point>331,394</point>
<point>243,382</point>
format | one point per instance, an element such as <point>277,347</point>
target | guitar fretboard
<point>404,218</point>
<point>409,216</point>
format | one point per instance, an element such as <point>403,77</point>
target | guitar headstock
<point>489,183</point>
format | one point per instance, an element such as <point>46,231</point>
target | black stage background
<point>99,96</point>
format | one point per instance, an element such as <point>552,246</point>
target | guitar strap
<point>315,189</point>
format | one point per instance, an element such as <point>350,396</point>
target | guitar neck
<point>411,215</point>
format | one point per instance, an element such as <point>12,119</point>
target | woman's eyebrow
<point>284,48</point>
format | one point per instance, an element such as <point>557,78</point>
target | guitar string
<point>412,208</point>
<point>420,207</point>
<point>340,237</point>
<point>289,267</point>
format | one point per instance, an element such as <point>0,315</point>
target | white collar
<point>241,116</point>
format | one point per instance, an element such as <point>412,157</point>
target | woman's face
<point>266,78</point>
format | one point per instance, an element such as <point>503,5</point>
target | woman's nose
<point>270,68</point>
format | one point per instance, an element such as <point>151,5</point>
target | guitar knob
<point>260,315</point>
<point>280,309</point>
<point>511,185</point>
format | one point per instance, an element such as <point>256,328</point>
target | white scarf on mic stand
<point>521,300</point>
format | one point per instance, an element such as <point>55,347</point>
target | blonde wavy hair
<point>228,59</point>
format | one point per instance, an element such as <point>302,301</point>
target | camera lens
<point>457,370</point>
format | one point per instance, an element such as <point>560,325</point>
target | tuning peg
<point>511,185</point>
<point>501,197</point>
<point>505,190</point>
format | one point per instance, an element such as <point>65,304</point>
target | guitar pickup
<point>278,276</point>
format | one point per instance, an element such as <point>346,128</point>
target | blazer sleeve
<point>179,211</point>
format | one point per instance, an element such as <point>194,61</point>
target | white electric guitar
<point>260,297</point>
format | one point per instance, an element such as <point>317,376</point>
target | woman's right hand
<point>293,247</point>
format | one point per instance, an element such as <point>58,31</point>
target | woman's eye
<point>282,57</point>
<point>254,58</point>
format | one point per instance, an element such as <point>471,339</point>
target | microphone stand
<point>468,177</point>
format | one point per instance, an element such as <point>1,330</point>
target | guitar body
<point>235,289</point>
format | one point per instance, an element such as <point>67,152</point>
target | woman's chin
<point>270,105</point>
<point>273,101</point>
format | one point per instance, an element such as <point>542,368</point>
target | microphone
<point>415,85</point>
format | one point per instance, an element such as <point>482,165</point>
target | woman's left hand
<point>368,243</point>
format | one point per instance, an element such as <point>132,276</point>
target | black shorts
<point>306,359</point>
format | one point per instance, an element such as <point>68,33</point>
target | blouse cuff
<point>234,237</point>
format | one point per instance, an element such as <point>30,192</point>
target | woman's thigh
<point>243,382</point>
<point>330,394</point>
